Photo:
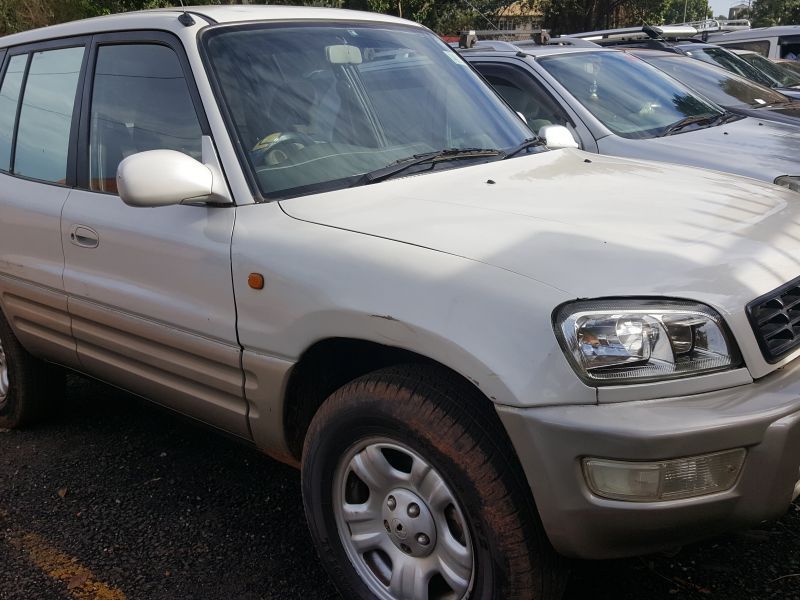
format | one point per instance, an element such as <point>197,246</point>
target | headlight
<point>789,181</point>
<point>612,342</point>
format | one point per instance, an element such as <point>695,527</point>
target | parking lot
<point>116,499</point>
<point>494,285</point>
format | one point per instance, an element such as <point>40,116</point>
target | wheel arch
<point>330,363</point>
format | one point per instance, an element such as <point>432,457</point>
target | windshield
<point>792,65</point>
<point>778,72</point>
<point>731,62</point>
<point>630,97</point>
<point>719,85</point>
<point>320,106</point>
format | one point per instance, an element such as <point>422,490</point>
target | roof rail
<point>486,45</point>
<point>565,40</point>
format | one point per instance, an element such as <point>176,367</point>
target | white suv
<point>321,232</point>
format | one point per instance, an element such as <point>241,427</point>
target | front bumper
<point>763,417</point>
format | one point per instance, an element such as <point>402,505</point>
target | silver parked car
<point>728,90</point>
<point>787,78</point>
<point>321,232</point>
<point>685,40</point>
<point>617,104</point>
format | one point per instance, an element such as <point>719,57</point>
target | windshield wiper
<point>528,143</point>
<point>727,117</point>
<point>685,122</point>
<point>404,164</point>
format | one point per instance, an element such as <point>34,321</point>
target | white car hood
<point>589,225</point>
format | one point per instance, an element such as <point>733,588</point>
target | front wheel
<point>412,491</point>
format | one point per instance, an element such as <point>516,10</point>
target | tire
<point>415,450</point>
<point>28,387</point>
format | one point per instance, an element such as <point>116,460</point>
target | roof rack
<point>638,33</point>
<point>716,25</point>
<point>467,39</point>
<point>680,31</point>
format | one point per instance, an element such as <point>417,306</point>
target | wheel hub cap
<point>409,523</point>
<point>400,524</point>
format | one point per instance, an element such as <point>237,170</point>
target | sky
<point>721,7</point>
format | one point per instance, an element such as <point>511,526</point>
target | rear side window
<point>761,46</point>
<point>525,95</point>
<point>140,102</point>
<point>789,47</point>
<point>9,99</point>
<point>46,116</point>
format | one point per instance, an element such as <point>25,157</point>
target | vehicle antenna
<point>185,19</point>
<point>485,18</point>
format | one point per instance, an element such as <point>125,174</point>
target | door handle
<point>84,236</point>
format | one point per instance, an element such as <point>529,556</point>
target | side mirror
<point>557,136</point>
<point>163,178</point>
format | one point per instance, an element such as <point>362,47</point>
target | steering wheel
<point>277,148</point>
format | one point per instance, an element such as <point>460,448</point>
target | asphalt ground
<point>116,499</point>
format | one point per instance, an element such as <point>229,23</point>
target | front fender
<point>490,325</point>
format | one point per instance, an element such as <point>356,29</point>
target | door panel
<point>30,242</point>
<point>31,266</point>
<point>36,128</point>
<point>152,304</point>
<point>188,372</point>
<point>150,290</point>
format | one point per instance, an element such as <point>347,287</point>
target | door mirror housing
<point>164,178</point>
<point>557,136</point>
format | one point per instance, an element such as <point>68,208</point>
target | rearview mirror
<point>163,178</point>
<point>557,136</point>
<point>341,54</point>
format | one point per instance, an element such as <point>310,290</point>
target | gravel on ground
<point>116,499</point>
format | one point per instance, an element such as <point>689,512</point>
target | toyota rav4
<point>320,231</point>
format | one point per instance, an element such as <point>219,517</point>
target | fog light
<point>664,480</point>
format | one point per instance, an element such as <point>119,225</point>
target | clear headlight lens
<point>789,181</point>
<point>612,342</point>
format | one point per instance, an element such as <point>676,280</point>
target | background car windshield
<point>317,106</point>
<point>730,62</point>
<point>792,65</point>
<point>782,75</point>
<point>630,97</point>
<point>715,83</point>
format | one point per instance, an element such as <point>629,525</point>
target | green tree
<point>767,13</point>
<point>586,15</point>
<point>20,15</point>
<point>696,10</point>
